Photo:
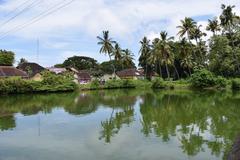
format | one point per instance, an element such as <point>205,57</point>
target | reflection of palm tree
<point>113,125</point>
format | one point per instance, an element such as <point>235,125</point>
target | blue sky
<point>73,29</point>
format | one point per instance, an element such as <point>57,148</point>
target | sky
<point>72,30</point>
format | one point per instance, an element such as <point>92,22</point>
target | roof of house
<point>141,70</point>
<point>83,74</point>
<point>9,71</point>
<point>57,70</point>
<point>34,67</point>
<point>132,72</point>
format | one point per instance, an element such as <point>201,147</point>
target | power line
<point>31,5</point>
<point>15,9</point>
<point>37,18</point>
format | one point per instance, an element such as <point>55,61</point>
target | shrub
<point>220,82</point>
<point>6,58</point>
<point>236,84</point>
<point>50,83</point>
<point>158,83</point>
<point>204,79</point>
<point>94,84</point>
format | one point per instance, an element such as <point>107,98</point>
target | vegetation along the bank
<point>50,83</point>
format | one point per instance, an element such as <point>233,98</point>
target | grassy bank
<point>140,84</point>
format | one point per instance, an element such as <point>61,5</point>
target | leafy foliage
<point>50,83</point>
<point>204,79</point>
<point>6,58</point>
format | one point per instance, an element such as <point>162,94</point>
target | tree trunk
<point>189,70</point>
<point>176,71</point>
<point>167,71</point>
<point>160,69</point>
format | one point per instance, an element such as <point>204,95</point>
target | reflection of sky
<point>63,136</point>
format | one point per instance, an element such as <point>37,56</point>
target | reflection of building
<point>9,71</point>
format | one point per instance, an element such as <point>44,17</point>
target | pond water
<point>119,125</point>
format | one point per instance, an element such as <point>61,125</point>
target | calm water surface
<point>119,125</point>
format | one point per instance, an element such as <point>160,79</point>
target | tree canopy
<point>6,58</point>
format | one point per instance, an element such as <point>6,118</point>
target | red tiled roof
<point>9,71</point>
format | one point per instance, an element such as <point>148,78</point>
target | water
<point>119,125</point>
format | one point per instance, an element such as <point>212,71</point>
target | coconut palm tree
<point>186,28</point>
<point>227,16</point>
<point>144,55</point>
<point>155,55</point>
<point>163,51</point>
<point>188,63</point>
<point>106,45</point>
<point>127,57</point>
<point>213,26</point>
<point>117,52</point>
<point>227,19</point>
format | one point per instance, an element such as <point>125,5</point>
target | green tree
<point>6,58</point>
<point>145,53</point>
<point>106,44</point>
<point>213,26</point>
<point>127,57</point>
<point>80,62</point>
<point>187,27</point>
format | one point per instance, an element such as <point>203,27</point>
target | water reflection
<point>199,121</point>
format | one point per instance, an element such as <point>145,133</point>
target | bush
<point>158,83</point>
<point>111,84</point>
<point>220,82</point>
<point>6,58</point>
<point>236,84</point>
<point>94,84</point>
<point>50,83</point>
<point>15,85</point>
<point>205,79</point>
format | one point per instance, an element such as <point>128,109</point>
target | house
<point>33,70</point>
<point>107,77</point>
<point>131,73</point>
<point>153,74</point>
<point>83,77</point>
<point>57,70</point>
<point>9,71</point>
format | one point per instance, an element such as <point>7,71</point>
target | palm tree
<point>188,63</point>
<point>227,16</point>
<point>155,55</point>
<point>106,45</point>
<point>162,53</point>
<point>213,26</point>
<point>127,57</point>
<point>117,52</point>
<point>227,21</point>
<point>187,27</point>
<point>144,55</point>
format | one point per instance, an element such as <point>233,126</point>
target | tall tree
<point>127,57</point>
<point>117,52</point>
<point>187,27</point>
<point>144,55</point>
<point>106,45</point>
<point>213,26</point>
<point>227,22</point>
